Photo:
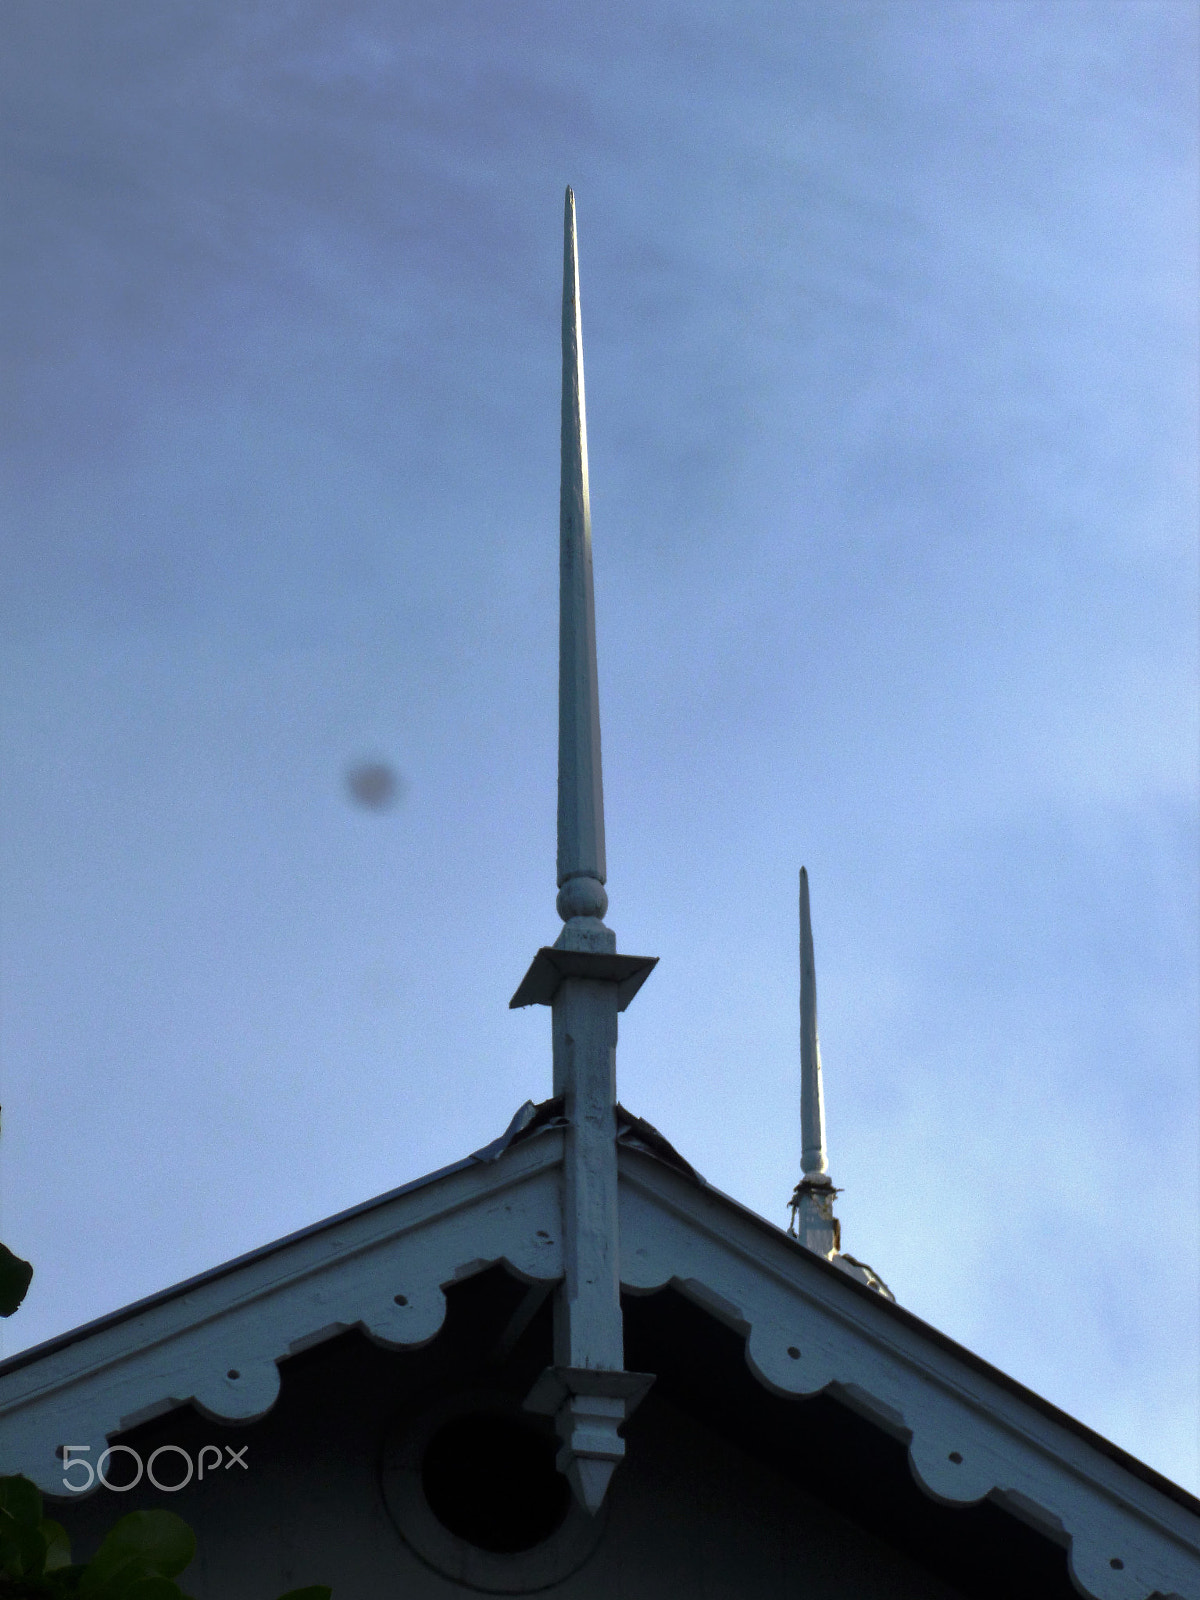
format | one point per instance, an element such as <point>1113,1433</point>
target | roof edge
<point>890,1309</point>
<point>518,1130</point>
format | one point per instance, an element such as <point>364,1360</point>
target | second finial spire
<point>813,1221</point>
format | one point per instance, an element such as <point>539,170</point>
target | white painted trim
<point>885,1365</point>
<point>185,1347</point>
<point>674,1230</point>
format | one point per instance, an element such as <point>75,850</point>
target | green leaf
<point>22,1551</point>
<point>15,1278</point>
<point>318,1591</point>
<point>21,1499</point>
<point>144,1544</point>
<point>22,1544</point>
<point>58,1544</point>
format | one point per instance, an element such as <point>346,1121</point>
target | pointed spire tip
<point>581,865</point>
<point>814,1161</point>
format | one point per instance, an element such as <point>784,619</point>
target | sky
<point>889,316</point>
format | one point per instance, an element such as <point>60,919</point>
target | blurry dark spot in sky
<point>374,785</point>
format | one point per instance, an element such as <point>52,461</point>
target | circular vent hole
<point>491,1481</point>
<point>400,1299</point>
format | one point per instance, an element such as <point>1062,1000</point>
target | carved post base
<point>813,1221</point>
<point>588,1406</point>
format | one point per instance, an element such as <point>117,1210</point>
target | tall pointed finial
<point>585,983</point>
<point>813,1160</point>
<point>813,1221</point>
<point>581,866</point>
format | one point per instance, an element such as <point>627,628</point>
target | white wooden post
<point>586,983</point>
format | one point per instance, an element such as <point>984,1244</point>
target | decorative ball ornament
<point>582,897</point>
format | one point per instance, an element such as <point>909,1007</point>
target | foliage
<point>15,1278</point>
<point>140,1558</point>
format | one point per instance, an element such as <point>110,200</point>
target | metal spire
<point>585,983</point>
<point>813,1161</point>
<point>581,868</point>
<point>813,1220</point>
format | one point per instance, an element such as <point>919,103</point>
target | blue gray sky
<point>891,340</point>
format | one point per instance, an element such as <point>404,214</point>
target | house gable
<point>801,1433</point>
<point>709,1500</point>
<point>217,1341</point>
<point>971,1434</point>
<point>806,1333</point>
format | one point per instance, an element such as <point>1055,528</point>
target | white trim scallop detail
<point>384,1268</point>
<point>808,1330</point>
<point>218,1342</point>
